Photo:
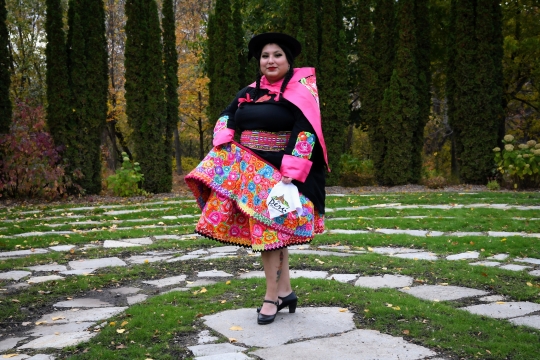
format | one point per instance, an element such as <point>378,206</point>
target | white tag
<point>283,199</point>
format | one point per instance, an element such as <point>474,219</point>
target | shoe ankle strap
<point>272,302</point>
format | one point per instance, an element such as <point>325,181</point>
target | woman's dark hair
<point>288,76</point>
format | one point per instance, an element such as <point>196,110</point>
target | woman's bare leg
<point>276,271</point>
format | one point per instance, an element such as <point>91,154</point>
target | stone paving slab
<point>357,344</point>
<point>10,343</point>
<point>417,256</point>
<point>132,300</point>
<point>63,328</point>
<point>294,274</point>
<point>305,323</point>
<point>62,248</point>
<point>385,281</point>
<point>200,282</point>
<point>504,310</point>
<point>464,256</point>
<point>96,263</point>
<point>464,233</point>
<point>394,250</point>
<point>14,275</point>
<point>143,259</point>
<point>443,293</point>
<point>41,357</point>
<point>399,231</point>
<point>224,249</point>
<point>215,349</point>
<point>125,290</point>
<point>59,342</point>
<point>492,298</point>
<point>529,260</point>
<point>534,273</point>
<point>226,356</point>
<point>531,321</point>
<point>139,241</point>
<point>82,315</point>
<point>347,232</point>
<point>514,267</point>
<point>40,279</point>
<point>319,252</point>
<point>486,263</point>
<point>205,337</point>
<point>183,258</point>
<point>18,253</point>
<point>50,267</point>
<point>343,278</point>
<point>111,244</point>
<point>500,257</point>
<point>173,280</point>
<point>504,233</point>
<point>213,273</point>
<point>218,256</point>
<point>82,302</point>
<point>78,272</point>
<point>252,274</point>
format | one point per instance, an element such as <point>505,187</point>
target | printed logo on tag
<point>279,203</point>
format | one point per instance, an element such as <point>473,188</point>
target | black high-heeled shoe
<point>290,300</point>
<point>263,319</point>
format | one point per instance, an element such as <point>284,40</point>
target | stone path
<point>316,333</point>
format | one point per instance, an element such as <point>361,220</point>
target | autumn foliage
<point>31,165</point>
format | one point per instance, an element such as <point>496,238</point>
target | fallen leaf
<point>388,305</point>
<point>203,290</point>
<point>41,322</point>
<point>200,315</point>
<point>124,323</point>
<point>112,323</point>
<point>56,333</point>
<point>228,282</point>
<point>7,356</point>
<point>489,352</point>
<point>443,284</point>
<point>406,288</point>
<point>503,240</point>
<point>17,301</point>
<point>236,328</point>
<point>232,340</point>
<point>406,332</point>
<point>120,331</point>
<point>500,302</point>
<point>529,284</point>
<point>146,261</point>
<point>121,346</point>
<point>189,282</point>
<point>58,318</point>
<point>26,323</point>
<point>366,310</point>
<point>343,310</point>
<point>396,308</point>
<point>370,249</point>
<point>223,301</point>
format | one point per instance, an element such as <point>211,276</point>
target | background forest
<point>413,91</point>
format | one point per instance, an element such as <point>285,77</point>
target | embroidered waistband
<point>265,140</point>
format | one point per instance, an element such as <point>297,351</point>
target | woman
<point>281,140</point>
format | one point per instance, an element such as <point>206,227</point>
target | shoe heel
<point>292,307</point>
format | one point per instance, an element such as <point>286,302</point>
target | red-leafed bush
<point>30,164</point>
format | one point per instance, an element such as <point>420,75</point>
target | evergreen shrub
<point>493,185</point>
<point>127,179</point>
<point>518,164</point>
<point>32,166</point>
<point>356,172</point>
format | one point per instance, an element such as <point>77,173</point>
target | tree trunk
<point>177,151</point>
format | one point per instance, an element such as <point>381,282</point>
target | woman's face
<point>273,63</point>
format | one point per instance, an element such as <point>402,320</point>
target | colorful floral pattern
<point>311,84</point>
<point>221,124</point>
<point>304,145</point>
<point>231,186</point>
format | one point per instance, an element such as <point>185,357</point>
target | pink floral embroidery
<point>311,84</point>
<point>221,124</point>
<point>304,145</point>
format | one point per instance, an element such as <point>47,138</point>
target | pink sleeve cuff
<point>295,167</point>
<point>223,136</point>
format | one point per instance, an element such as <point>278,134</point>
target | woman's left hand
<point>286,180</point>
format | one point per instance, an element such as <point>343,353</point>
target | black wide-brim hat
<point>257,43</point>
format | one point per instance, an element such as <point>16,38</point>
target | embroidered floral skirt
<point>231,185</point>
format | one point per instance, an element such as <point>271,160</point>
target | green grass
<point>440,326</point>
